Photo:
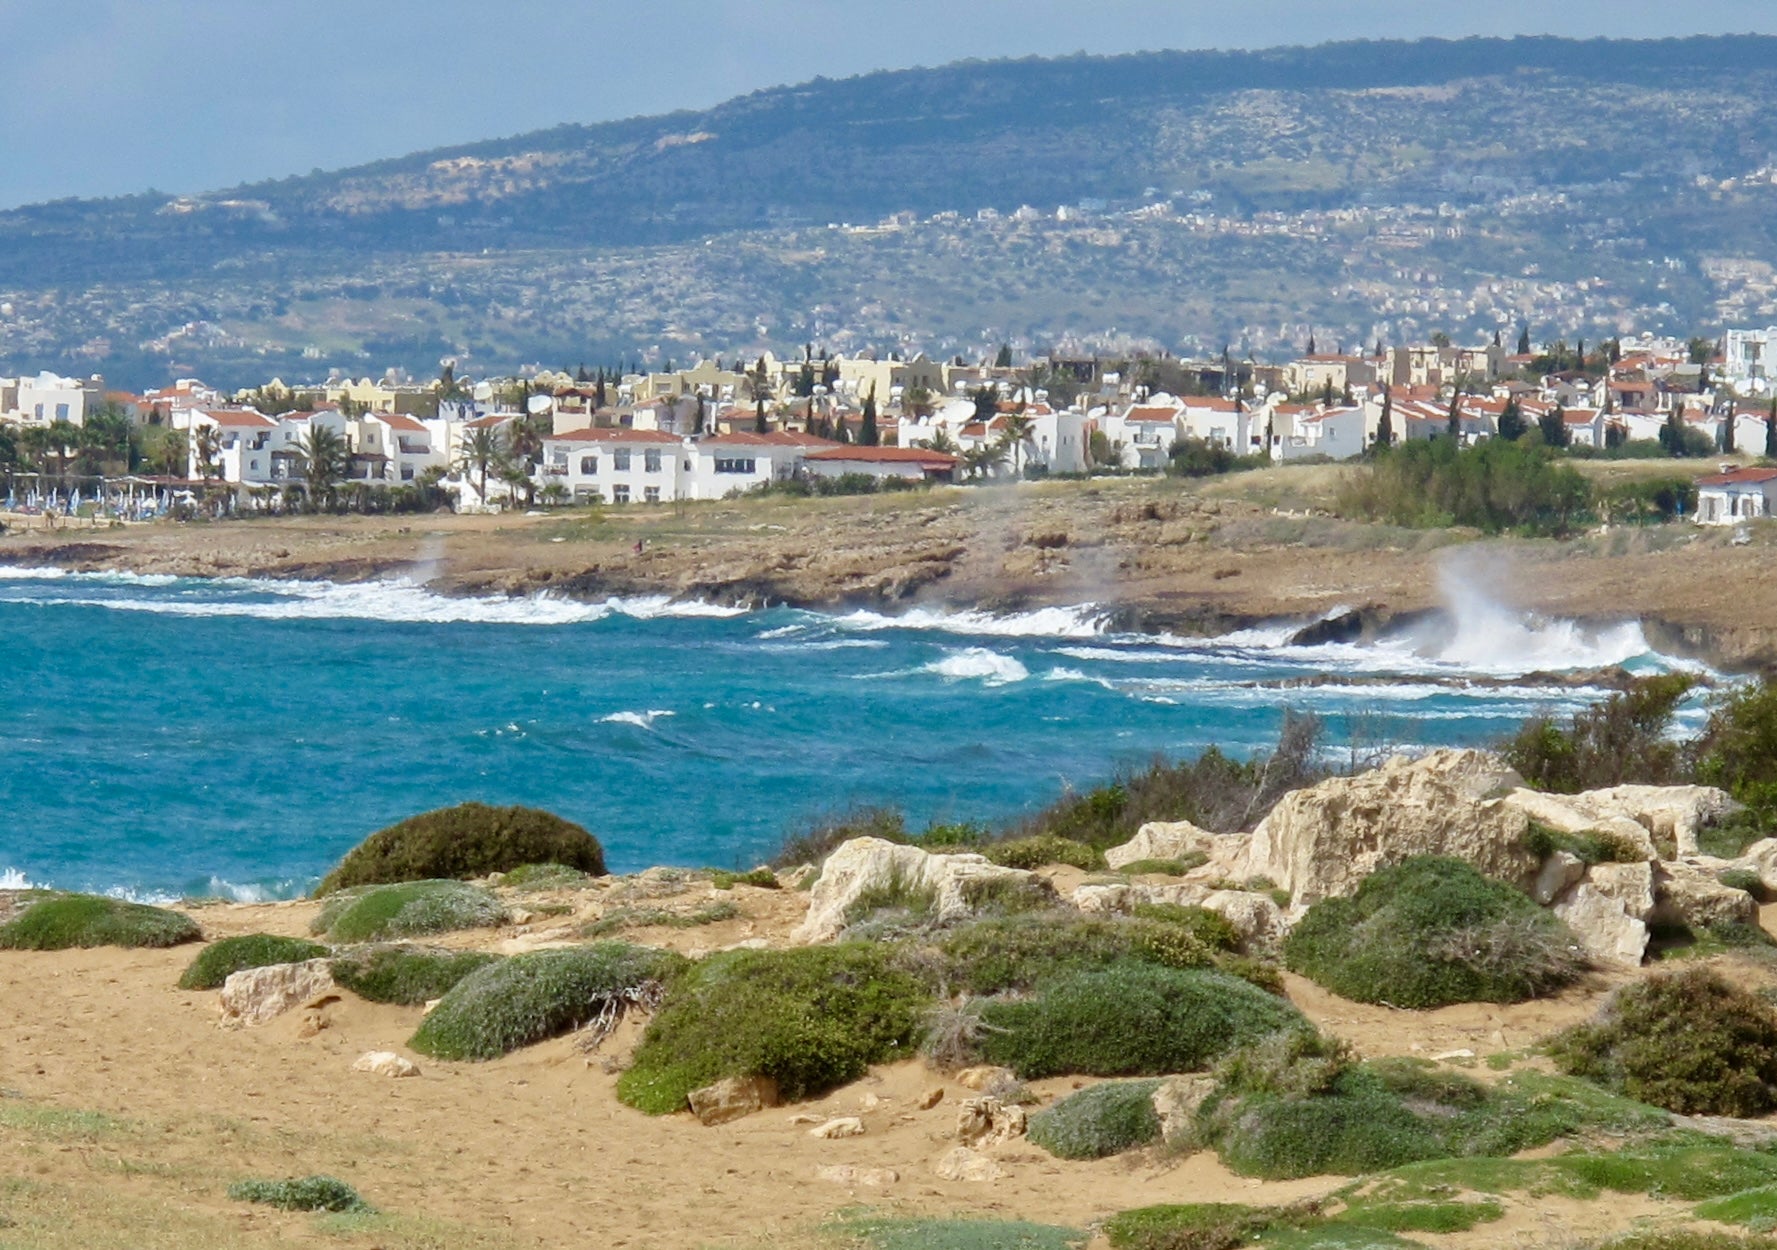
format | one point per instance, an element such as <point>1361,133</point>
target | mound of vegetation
<point>544,877</point>
<point>308,1193</point>
<point>1298,1105</point>
<point>1684,1040</point>
<point>407,976</point>
<point>67,921</point>
<point>1623,739</point>
<point>528,998</point>
<point>810,1019</point>
<point>1041,850</point>
<point>1495,486</point>
<point>1432,931</point>
<point>219,960</point>
<point>1100,1120</point>
<point>1129,1019</point>
<point>1738,749</point>
<point>1015,952</point>
<point>411,909</point>
<point>758,878</point>
<point>468,840</point>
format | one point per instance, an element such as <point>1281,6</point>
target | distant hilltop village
<point>830,423</point>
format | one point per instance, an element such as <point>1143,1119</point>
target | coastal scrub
<point>220,960</point>
<point>1100,1120</point>
<point>407,976</point>
<point>68,921</point>
<point>468,840</point>
<point>407,910</point>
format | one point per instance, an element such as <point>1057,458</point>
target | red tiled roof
<point>887,455</point>
<point>400,421</point>
<point>1734,477</point>
<point>1151,413</point>
<point>240,419</point>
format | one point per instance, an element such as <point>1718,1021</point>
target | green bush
<point>545,877</point>
<point>1016,952</point>
<point>866,1229</point>
<point>308,1193</point>
<point>819,839</point>
<point>621,918</point>
<point>811,1019</point>
<point>1623,739</point>
<point>1211,928</point>
<point>408,976</point>
<point>411,909</point>
<point>758,878</point>
<point>1100,1120</point>
<point>468,840</point>
<point>1042,850</point>
<point>67,921</point>
<point>1595,846</point>
<point>1743,879</point>
<point>1689,1239</point>
<point>1684,1040</point>
<point>1432,931</point>
<point>1738,748</point>
<point>1495,486</point>
<point>1129,1019</point>
<point>218,960</point>
<point>538,995</point>
<point>1194,1226</point>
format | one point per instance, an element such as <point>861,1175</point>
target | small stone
<point>385,1063</point>
<point>256,995</point>
<point>844,1126</point>
<point>870,1102</point>
<point>805,1117</point>
<point>847,1174</point>
<point>963,1164</point>
<point>1454,1056</point>
<point>981,1078</point>
<point>732,1097</point>
<point>931,1098</point>
<point>989,1122</point>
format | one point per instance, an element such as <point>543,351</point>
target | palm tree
<point>484,449</point>
<point>1017,433</point>
<point>977,461</point>
<point>206,445</point>
<point>941,441</point>
<point>323,463</point>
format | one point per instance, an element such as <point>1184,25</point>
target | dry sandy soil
<point>125,1112</point>
<point>1186,556</point>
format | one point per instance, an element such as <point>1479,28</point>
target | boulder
<point>1321,842</point>
<point>255,995</point>
<point>385,1063</point>
<point>963,1164</point>
<point>848,1174</point>
<point>1672,814</point>
<point>989,1122</point>
<point>1572,813</point>
<point>1688,895</point>
<point>1176,1102</point>
<point>1174,839</point>
<point>1605,929</point>
<point>732,1097</point>
<point>1631,885</point>
<point>1761,858</point>
<point>1256,917</point>
<point>865,864</point>
<point>843,1126</point>
<point>931,1098</point>
<point>1559,872</point>
<point>1100,900</point>
<point>982,1077</point>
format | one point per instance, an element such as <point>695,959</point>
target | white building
<point>1737,495</point>
<point>728,463</point>
<point>617,465</point>
<point>1335,433</point>
<point>909,464</point>
<point>1142,434</point>
<point>243,446</point>
<point>1750,364</point>
<point>49,397</point>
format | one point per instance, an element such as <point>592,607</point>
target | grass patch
<point>533,877</point>
<point>410,909</point>
<point>1432,931</point>
<point>217,961</point>
<point>308,1193</point>
<point>1129,1019</point>
<point>1164,867</point>
<point>811,1019</point>
<point>1754,1207</point>
<point>1729,838</point>
<point>541,994</point>
<point>894,1233</point>
<point>1684,1040</point>
<point>658,917</point>
<point>1589,847</point>
<point>69,921</point>
<point>1688,1239</point>
<point>1042,850</point>
<point>1100,1120</point>
<point>1421,1217</point>
<point>408,976</point>
<point>758,878</point>
<point>468,840</point>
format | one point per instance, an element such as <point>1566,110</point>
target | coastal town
<point>824,423</point>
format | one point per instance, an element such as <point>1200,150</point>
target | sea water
<point>167,736</point>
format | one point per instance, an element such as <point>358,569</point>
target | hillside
<point>1366,187</point>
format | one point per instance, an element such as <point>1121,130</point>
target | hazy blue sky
<point>110,96</point>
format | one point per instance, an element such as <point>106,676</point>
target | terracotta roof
<point>886,455</point>
<point>1736,477</point>
<point>400,421</point>
<point>1209,402</point>
<point>240,419</point>
<point>654,437</point>
<point>1147,413</point>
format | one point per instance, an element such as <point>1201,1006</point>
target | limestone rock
<point>843,1126</point>
<point>1255,917</point>
<point>870,863</point>
<point>385,1063</point>
<point>1321,842</point>
<point>1162,839</point>
<point>848,1174</point>
<point>1761,858</point>
<point>1604,927</point>
<point>1632,885</point>
<point>1176,1102</point>
<point>982,1077</point>
<point>963,1164</point>
<point>256,995</point>
<point>1100,900</point>
<point>989,1122</point>
<point>1689,895</point>
<point>1672,814</point>
<point>931,1098</point>
<point>1559,871</point>
<point>732,1097</point>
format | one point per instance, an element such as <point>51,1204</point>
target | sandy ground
<point>1186,556</point>
<point>534,1149</point>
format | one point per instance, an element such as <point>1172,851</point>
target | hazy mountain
<point>695,229</point>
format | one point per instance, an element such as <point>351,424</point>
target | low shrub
<point>468,840</point>
<point>1623,739</point>
<point>1209,927</point>
<point>658,917</point>
<point>868,1230</point>
<point>545,877</point>
<point>1688,1239</point>
<point>820,838</point>
<point>408,976</point>
<point>1014,953</point>
<point>411,909</point>
<point>1729,837</point>
<point>758,878</point>
<point>1596,846</point>
<point>67,921</point>
<point>1737,749</point>
<point>1129,1019</point>
<point>811,1019</point>
<point>308,1193</point>
<point>217,961</point>
<point>1197,1226</point>
<point>1684,1040</point>
<point>1041,851</point>
<point>531,997</point>
<point>1432,931</point>
<point>1100,1120</point>
<point>1165,867</point>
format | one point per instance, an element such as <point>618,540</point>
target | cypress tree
<point>1311,342</point>
<point>1385,427</point>
<point>1454,426</point>
<point>1672,433</point>
<point>1524,340</point>
<point>1326,393</point>
<point>1771,433</point>
<point>760,425</point>
<point>1511,420</point>
<point>867,432</point>
<point>1727,434</point>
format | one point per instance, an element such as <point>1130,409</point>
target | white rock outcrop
<point>1254,915</point>
<point>1692,895</point>
<point>385,1063</point>
<point>866,864</point>
<point>1175,839</point>
<point>256,995</point>
<point>989,1122</point>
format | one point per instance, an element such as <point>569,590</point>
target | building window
<point>651,494</point>
<point>651,460</point>
<point>620,494</point>
<point>620,462</point>
<point>61,412</point>
<point>735,466</point>
<point>589,465</point>
<point>407,473</point>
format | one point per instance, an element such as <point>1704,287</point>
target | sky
<point>107,97</point>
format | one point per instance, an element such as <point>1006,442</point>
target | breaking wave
<point>978,663</point>
<point>1085,620</point>
<point>641,720</point>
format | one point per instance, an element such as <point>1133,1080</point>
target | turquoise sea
<point>163,737</point>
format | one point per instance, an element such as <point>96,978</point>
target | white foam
<point>1085,620</point>
<point>641,720</point>
<point>990,667</point>
<point>13,879</point>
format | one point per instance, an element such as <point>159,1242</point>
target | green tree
<point>1453,423</point>
<point>323,463</point>
<point>483,450</point>
<point>1727,434</point>
<point>868,434</point>
<point>1553,425</point>
<point>1004,359</point>
<point>1524,340</point>
<point>1385,426</point>
<point>1672,433</point>
<point>760,424</point>
<point>206,447</point>
<point>1017,433</point>
<point>1511,420</point>
<point>1771,432</point>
